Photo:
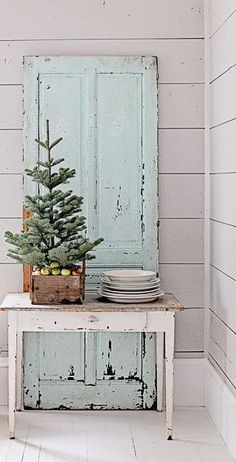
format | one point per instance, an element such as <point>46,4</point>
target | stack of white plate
<point>130,286</point>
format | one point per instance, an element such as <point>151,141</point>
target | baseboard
<point>3,380</point>
<point>189,382</point>
<point>221,405</point>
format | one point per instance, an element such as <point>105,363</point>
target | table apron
<point>58,321</point>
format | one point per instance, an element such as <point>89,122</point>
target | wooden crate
<point>53,290</point>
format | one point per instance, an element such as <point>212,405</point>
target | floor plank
<point>111,436</point>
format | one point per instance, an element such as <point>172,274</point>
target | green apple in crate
<point>53,239</point>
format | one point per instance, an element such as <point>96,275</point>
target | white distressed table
<point>95,315</point>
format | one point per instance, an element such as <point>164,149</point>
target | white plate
<point>130,275</point>
<point>129,296</point>
<point>133,286</point>
<point>134,298</point>
<point>130,285</point>
<point>130,293</point>
<point>133,301</point>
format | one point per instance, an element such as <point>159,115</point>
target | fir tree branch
<point>55,142</point>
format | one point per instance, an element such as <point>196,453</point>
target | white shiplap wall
<point>171,30</point>
<point>222,95</point>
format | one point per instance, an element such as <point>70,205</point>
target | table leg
<point>12,340</point>
<point>159,369</point>
<point>169,360</point>
<point>19,363</point>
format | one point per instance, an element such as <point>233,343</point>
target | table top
<point>92,303</point>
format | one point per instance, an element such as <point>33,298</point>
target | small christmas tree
<point>55,233</point>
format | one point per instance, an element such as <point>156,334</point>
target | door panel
<point>106,110</point>
<point>116,372</point>
<point>119,165</point>
<point>55,352</point>
<point>67,117</point>
<point>111,349</point>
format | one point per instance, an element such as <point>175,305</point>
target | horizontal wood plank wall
<point>222,342</point>
<point>171,30</point>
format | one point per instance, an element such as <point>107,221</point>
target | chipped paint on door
<point>106,110</point>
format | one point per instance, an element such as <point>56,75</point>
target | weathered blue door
<point>106,110</point>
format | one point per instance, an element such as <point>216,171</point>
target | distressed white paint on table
<point>95,315</point>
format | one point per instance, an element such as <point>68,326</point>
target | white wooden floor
<point>107,436</point>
